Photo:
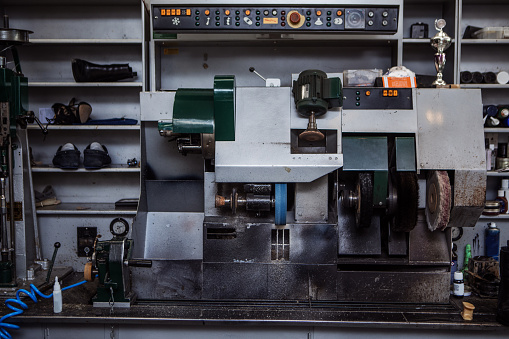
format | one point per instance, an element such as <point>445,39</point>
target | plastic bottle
<point>488,158</point>
<point>468,255</point>
<point>492,122</point>
<point>503,201</point>
<point>454,262</point>
<point>57,297</point>
<point>505,187</point>
<point>492,241</point>
<point>459,285</point>
<point>490,110</point>
<point>503,112</point>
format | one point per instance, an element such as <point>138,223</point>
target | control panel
<point>377,98</point>
<point>374,20</point>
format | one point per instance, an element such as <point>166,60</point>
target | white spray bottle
<point>57,297</point>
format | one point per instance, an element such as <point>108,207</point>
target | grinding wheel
<point>438,200</point>
<point>407,187</point>
<point>364,192</point>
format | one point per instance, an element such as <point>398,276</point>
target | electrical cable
<point>11,304</point>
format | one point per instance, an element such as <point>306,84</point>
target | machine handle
<point>139,263</point>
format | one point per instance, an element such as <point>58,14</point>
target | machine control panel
<point>377,98</point>
<point>374,20</point>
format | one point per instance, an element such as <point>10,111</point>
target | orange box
<point>399,82</point>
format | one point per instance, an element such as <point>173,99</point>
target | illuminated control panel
<point>377,98</point>
<point>374,20</point>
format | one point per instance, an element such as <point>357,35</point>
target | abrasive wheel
<point>364,205</point>
<point>407,187</point>
<point>438,200</point>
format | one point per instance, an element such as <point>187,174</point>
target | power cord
<point>13,303</point>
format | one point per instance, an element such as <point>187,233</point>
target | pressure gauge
<point>456,233</point>
<point>119,227</point>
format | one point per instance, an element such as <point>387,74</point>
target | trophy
<point>440,42</point>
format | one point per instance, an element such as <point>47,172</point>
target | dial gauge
<point>119,227</point>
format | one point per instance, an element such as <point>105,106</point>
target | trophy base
<point>439,83</point>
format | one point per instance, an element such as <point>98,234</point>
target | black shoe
<point>84,71</point>
<point>96,156</point>
<point>67,157</point>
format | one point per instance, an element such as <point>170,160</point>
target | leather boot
<point>84,71</point>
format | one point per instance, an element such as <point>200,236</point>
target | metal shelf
<point>89,127</point>
<point>497,174</point>
<point>85,208</point>
<point>499,217</point>
<point>111,169</point>
<point>481,86</point>
<point>496,130</point>
<point>85,41</point>
<point>485,41</point>
<point>420,41</point>
<point>83,84</point>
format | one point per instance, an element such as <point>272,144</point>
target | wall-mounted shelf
<point>419,41</point>
<point>496,130</point>
<point>83,84</point>
<point>84,208</point>
<point>484,41</point>
<point>85,41</point>
<point>497,174</point>
<point>496,217</point>
<point>484,86</point>
<point>111,169</point>
<point>88,127</point>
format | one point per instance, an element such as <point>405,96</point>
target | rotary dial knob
<point>295,18</point>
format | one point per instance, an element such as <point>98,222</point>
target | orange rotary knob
<point>295,18</point>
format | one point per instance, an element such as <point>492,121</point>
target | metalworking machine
<point>304,191</point>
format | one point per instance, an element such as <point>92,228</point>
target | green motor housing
<point>314,93</point>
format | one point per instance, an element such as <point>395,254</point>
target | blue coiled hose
<point>13,303</point>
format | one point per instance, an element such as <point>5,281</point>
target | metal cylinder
<point>258,202</point>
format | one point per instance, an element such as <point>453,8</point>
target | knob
<point>295,18</point>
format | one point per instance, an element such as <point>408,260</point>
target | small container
<point>490,77</point>
<point>492,122</point>
<point>492,241</point>
<point>503,201</point>
<point>419,30</point>
<point>477,78</point>
<point>502,163</point>
<point>490,110</point>
<point>489,33</point>
<point>503,112</point>
<point>502,150</point>
<point>503,76</point>
<point>361,77</point>
<point>466,77</point>
<point>57,297</point>
<point>491,208</point>
<point>459,285</point>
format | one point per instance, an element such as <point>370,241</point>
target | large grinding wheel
<point>438,200</point>
<point>364,206</point>
<point>407,187</point>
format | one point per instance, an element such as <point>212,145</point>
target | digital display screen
<point>176,12</point>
